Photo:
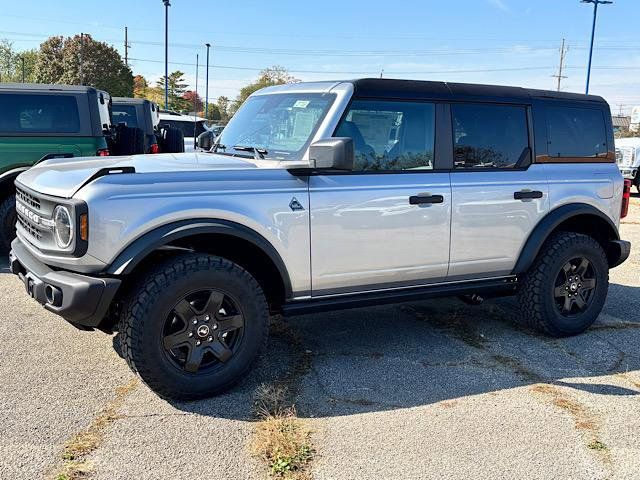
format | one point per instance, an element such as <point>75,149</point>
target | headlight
<point>63,226</point>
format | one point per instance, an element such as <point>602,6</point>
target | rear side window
<point>125,114</point>
<point>20,113</point>
<point>390,135</point>
<point>490,136</point>
<point>576,132</point>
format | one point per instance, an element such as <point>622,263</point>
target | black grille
<point>29,228</point>
<point>27,199</point>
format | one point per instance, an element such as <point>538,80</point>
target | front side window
<point>21,113</point>
<point>490,136</point>
<point>279,125</point>
<point>125,114</point>
<point>390,135</point>
<point>576,132</point>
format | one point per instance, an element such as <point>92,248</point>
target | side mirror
<point>204,140</point>
<point>332,153</point>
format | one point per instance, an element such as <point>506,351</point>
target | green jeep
<point>38,122</point>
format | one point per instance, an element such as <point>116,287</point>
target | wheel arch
<point>231,240</point>
<point>575,217</point>
<point>7,180</point>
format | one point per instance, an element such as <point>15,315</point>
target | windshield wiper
<point>258,153</point>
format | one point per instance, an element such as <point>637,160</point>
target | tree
<point>83,61</point>
<point>177,87</point>
<point>275,75</point>
<point>140,86</point>
<point>194,101</point>
<point>16,66</point>
<point>223,103</point>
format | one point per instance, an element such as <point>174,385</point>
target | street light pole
<point>206,91</point>
<point>166,53</point>
<point>593,32</point>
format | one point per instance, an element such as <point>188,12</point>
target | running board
<point>490,287</point>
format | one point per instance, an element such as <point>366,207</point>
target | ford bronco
<point>328,195</point>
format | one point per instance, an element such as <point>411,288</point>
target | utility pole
<point>22,61</point>
<point>381,72</point>
<point>620,111</point>
<point>559,76</point>
<point>126,46</point>
<point>195,104</point>
<point>593,32</point>
<point>167,4</point>
<point>206,92</point>
<point>80,73</point>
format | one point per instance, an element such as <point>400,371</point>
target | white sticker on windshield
<point>301,104</point>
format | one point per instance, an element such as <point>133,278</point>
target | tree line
<point>81,60</point>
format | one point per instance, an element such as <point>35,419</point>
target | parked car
<point>628,159</point>
<point>144,115</point>
<point>38,122</point>
<point>329,195</point>
<point>190,125</point>
<point>206,139</point>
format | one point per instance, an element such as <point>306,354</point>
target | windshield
<point>280,124</point>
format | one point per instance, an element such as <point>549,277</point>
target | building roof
<point>620,121</point>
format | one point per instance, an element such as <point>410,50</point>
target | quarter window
<point>390,135</point>
<point>576,132</point>
<point>490,136</point>
<point>125,114</point>
<point>38,114</point>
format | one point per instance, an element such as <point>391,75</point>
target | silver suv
<point>321,196</point>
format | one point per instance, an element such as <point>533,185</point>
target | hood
<point>63,177</point>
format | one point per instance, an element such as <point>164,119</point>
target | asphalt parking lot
<point>434,389</point>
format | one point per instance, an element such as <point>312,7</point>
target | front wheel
<point>194,326</point>
<point>565,289</point>
<point>8,219</point>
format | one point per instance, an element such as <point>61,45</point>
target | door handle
<point>527,194</point>
<point>425,198</point>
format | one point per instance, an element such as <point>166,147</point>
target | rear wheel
<point>8,219</point>
<point>194,326</point>
<point>564,291</point>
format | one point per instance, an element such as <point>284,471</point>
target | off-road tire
<point>145,311</point>
<point>535,292</point>
<point>129,141</point>
<point>8,219</point>
<point>171,140</point>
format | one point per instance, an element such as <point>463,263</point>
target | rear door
<point>498,195</point>
<point>386,223</point>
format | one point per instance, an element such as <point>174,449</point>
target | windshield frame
<point>296,156</point>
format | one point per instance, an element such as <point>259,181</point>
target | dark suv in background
<point>144,115</point>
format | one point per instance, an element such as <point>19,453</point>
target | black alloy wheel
<point>574,286</point>
<point>203,331</point>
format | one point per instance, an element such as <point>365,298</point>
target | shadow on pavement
<point>402,356</point>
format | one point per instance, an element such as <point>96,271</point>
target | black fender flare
<point>137,250</point>
<point>549,223</point>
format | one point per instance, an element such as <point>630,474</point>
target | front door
<point>387,223</point>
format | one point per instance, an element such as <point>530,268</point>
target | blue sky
<point>513,42</point>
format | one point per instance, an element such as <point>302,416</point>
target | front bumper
<point>81,300</point>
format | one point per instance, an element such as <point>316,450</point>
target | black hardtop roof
<point>405,89</point>
<point>50,88</point>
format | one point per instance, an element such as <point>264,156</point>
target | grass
<point>281,439</point>
<point>75,463</point>
<point>597,445</point>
